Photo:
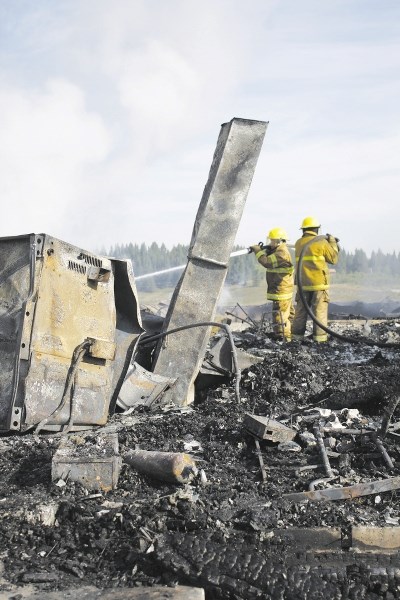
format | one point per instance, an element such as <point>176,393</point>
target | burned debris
<point>141,459</point>
<point>228,530</point>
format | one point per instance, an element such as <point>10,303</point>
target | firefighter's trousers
<point>282,317</point>
<point>318,302</point>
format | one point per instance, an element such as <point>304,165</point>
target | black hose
<point>325,328</point>
<point>152,338</point>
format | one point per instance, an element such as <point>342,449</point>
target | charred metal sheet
<point>196,295</point>
<point>267,429</point>
<point>218,359</point>
<point>17,265</point>
<point>360,539</point>
<point>347,493</point>
<point>324,539</point>
<point>93,462</point>
<point>49,304</point>
<point>128,326</point>
<point>142,387</point>
<point>157,592</point>
<point>376,539</point>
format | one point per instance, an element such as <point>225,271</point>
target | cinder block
<point>91,460</point>
<point>322,539</point>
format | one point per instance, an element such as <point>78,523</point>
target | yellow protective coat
<point>315,272</point>
<point>280,272</point>
<point>315,283</point>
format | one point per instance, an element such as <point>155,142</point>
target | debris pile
<point>244,525</point>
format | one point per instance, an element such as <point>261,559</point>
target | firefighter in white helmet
<point>276,259</point>
<point>314,278</point>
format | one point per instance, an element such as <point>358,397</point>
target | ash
<point>225,531</point>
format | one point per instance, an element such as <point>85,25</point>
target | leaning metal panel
<point>16,281</point>
<point>196,295</point>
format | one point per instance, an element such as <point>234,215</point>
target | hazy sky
<point>110,112</point>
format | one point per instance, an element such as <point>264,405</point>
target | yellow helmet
<point>277,234</point>
<point>310,222</point>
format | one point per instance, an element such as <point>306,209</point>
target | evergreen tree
<point>341,266</point>
<point>360,261</point>
<point>243,270</point>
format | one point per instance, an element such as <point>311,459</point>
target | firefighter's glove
<point>331,239</point>
<point>256,248</point>
<point>268,250</point>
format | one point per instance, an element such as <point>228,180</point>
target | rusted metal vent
<point>54,299</point>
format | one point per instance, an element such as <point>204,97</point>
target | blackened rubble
<point>221,532</point>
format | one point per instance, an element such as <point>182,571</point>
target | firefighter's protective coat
<point>315,271</point>
<point>279,275</point>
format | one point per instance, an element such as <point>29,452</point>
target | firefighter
<point>277,261</point>
<point>314,278</point>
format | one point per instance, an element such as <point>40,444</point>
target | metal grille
<point>73,266</point>
<point>91,260</point>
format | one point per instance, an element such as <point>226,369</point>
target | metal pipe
<point>384,453</point>
<point>240,318</point>
<point>247,314</point>
<point>260,460</point>
<point>324,456</point>
<point>175,467</point>
<point>388,414</point>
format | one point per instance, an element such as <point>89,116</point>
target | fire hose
<point>152,338</point>
<point>325,328</point>
<point>395,400</point>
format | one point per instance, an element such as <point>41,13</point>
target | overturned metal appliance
<point>54,299</point>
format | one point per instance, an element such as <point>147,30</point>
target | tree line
<point>243,270</point>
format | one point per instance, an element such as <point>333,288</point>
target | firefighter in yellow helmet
<point>277,261</point>
<point>314,278</point>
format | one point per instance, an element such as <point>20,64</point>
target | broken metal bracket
<point>100,274</point>
<point>211,261</point>
<point>268,429</point>
<point>103,349</point>
<point>142,387</point>
<point>347,493</point>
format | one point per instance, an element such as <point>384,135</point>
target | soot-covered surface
<point>221,532</point>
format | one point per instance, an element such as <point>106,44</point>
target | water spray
<point>181,267</point>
